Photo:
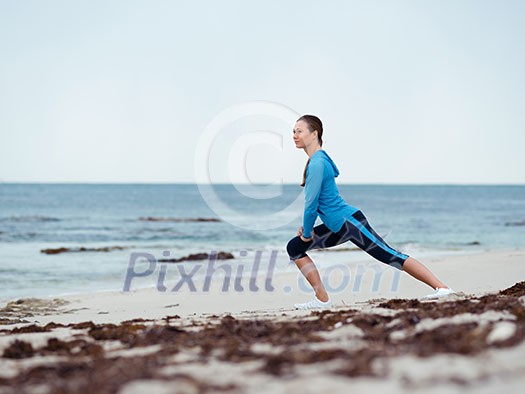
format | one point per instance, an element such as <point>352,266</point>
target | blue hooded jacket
<point>322,197</point>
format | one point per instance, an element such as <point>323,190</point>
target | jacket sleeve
<point>312,190</point>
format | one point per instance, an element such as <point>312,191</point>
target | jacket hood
<point>329,159</point>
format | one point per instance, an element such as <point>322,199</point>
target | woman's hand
<point>300,234</point>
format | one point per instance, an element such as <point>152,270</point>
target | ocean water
<point>163,218</point>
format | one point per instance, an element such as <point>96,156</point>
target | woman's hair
<point>314,123</point>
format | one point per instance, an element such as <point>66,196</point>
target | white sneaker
<point>438,293</point>
<point>314,303</point>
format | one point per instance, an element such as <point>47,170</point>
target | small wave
<point>168,219</point>
<point>29,218</point>
<point>516,224</point>
<point>81,249</point>
<point>153,230</point>
<point>199,256</point>
<point>471,243</point>
<point>24,236</point>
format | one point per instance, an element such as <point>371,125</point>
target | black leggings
<point>355,229</point>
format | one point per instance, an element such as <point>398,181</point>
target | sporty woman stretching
<point>341,222</point>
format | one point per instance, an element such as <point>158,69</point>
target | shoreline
<point>322,258</point>
<point>362,280</point>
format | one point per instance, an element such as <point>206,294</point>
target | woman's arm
<point>312,190</point>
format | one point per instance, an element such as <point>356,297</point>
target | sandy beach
<point>378,337</point>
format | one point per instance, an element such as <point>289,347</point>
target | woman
<point>341,222</point>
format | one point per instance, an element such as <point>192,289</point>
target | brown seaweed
<point>230,339</point>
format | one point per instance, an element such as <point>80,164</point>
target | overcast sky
<point>124,91</point>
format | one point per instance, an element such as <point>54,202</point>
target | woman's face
<point>302,135</point>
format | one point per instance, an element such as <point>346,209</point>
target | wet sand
<point>114,343</point>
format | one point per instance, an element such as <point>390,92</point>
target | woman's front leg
<point>310,272</point>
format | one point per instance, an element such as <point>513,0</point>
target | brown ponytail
<point>304,173</point>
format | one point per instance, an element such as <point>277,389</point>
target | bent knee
<point>296,248</point>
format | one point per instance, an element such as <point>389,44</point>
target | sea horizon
<point>251,183</point>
